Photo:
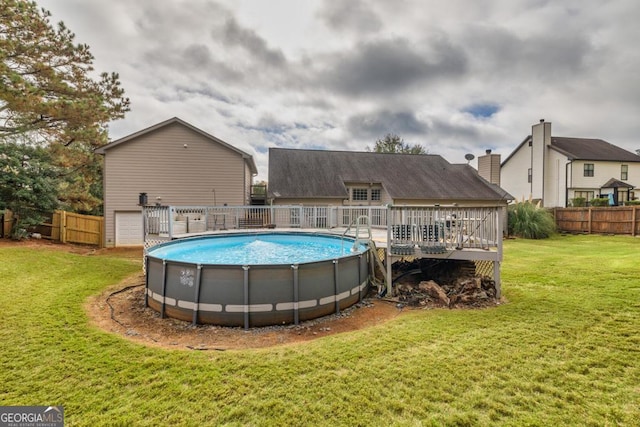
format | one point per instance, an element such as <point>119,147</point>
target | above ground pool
<point>255,279</point>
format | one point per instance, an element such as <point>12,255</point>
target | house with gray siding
<point>173,163</point>
<point>347,178</point>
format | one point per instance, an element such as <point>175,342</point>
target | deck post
<point>496,264</point>
<point>496,279</point>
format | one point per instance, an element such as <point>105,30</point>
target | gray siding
<point>158,164</point>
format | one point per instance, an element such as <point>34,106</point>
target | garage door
<point>128,228</point>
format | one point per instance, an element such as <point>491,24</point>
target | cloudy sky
<point>456,76</point>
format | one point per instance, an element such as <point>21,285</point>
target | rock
<point>404,288</point>
<point>470,284</point>
<point>434,290</point>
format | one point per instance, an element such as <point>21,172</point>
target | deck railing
<point>176,221</point>
<point>430,228</point>
<point>435,229</point>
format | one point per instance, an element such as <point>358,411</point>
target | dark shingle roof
<point>323,174</point>
<point>616,183</point>
<point>591,149</point>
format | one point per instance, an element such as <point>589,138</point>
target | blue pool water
<point>256,249</point>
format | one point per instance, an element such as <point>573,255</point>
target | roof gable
<point>132,137</point>
<point>323,174</point>
<point>591,149</point>
<point>616,183</point>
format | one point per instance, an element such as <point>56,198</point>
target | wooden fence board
<point>604,220</point>
<point>84,229</point>
<point>65,227</point>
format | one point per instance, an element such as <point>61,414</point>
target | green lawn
<point>564,350</point>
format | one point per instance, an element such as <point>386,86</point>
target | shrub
<point>529,221</point>
<point>602,201</point>
<point>632,203</point>
<point>578,202</point>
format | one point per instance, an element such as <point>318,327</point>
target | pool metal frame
<point>256,294</point>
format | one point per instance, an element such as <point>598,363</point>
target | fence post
<point>7,218</point>
<point>633,220</point>
<point>590,216</point>
<point>63,226</point>
<point>101,235</point>
<point>55,226</point>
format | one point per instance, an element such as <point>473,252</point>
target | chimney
<point>489,167</point>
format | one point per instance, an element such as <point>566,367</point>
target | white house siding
<point>513,174</point>
<point>541,139</point>
<point>602,172</point>
<point>555,183</point>
<point>157,163</point>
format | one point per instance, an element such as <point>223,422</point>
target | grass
<point>564,350</point>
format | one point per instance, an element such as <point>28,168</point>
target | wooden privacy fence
<point>68,227</point>
<point>65,227</point>
<point>605,220</point>
<point>7,222</point>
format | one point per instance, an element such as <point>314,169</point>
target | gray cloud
<point>235,35</point>
<point>380,123</point>
<point>546,56</point>
<point>351,16</point>
<point>388,66</point>
<point>197,55</point>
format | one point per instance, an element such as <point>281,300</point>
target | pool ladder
<point>364,221</point>
<point>358,222</point>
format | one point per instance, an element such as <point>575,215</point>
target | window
<point>586,195</point>
<point>375,194</point>
<point>359,194</point>
<point>624,172</point>
<point>623,196</point>
<point>529,175</point>
<point>588,169</point>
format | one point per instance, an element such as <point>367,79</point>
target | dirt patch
<point>121,310</point>
<point>134,252</point>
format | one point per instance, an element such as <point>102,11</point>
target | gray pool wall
<point>256,295</point>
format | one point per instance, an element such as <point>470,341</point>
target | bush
<point>632,203</point>
<point>602,201</point>
<point>578,202</point>
<point>529,221</point>
<point>27,185</point>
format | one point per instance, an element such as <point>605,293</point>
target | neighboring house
<point>174,163</point>
<point>555,170</point>
<point>346,178</point>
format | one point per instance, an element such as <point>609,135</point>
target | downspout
<point>566,182</point>
<point>247,198</point>
<point>544,159</point>
<point>531,152</point>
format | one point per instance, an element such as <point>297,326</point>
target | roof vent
<point>488,151</point>
<point>541,120</point>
